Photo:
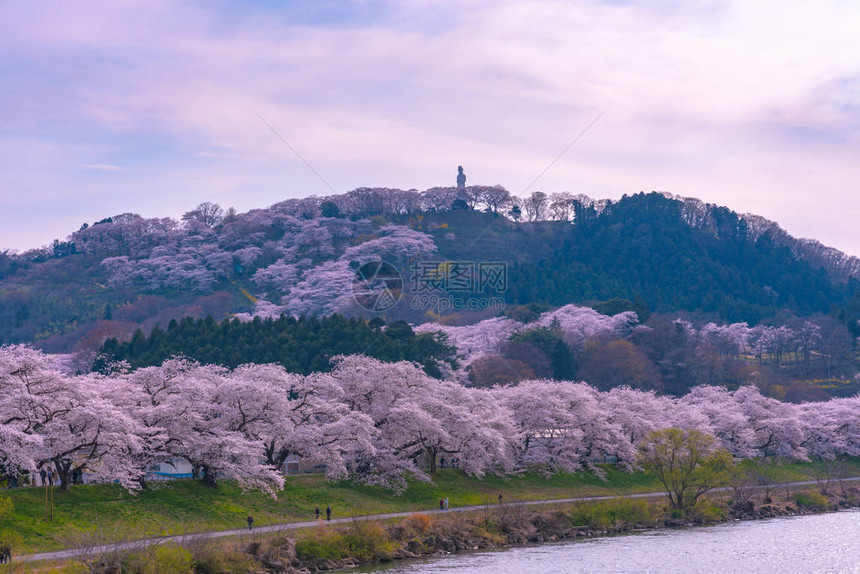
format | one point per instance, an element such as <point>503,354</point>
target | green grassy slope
<point>189,506</point>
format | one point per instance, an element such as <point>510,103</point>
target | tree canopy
<point>301,345</point>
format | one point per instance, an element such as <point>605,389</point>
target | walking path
<point>180,539</point>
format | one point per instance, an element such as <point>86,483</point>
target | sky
<point>153,107</point>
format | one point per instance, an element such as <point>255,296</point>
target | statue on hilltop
<point>461,177</point>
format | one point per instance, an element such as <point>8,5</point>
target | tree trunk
<point>431,456</point>
<point>64,473</point>
<point>209,478</point>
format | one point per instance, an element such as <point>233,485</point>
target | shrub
<point>812,500</point>
<point>12,538</point>
<point>419,522</point>
<point>161,558</point>
<point>368,541</point>
<point>592,515</point>
<point>325,544</point>
<point>706,511</point>
<point>605,514</point>
<point>213,559</point>
<point>631,511</point>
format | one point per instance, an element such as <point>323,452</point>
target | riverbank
<point>335,547</point>
<point>109,514</point>
<point>106,514</point>
<point>315,547</point>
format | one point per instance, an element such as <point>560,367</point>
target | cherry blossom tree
<point>582,324</point>
<point>290,414</point>
<point>191,404</point>
<point>831,429</point>
<point>396,244</point>
<point>90,434</point>
<point>728,339</point>
<point>414,415</point>
<point>567,429</point>
<point>370,420</point>
<point>482,339</point>
<point>323,290</point>
<point>636,412</point>
<point>280,276</point>
<point>18,450</point>
<point>777,429</point>
<point>725,418</point>
<point>64,422</point>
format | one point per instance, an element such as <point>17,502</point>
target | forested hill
<point>640,248</point>
<point>300,257</point>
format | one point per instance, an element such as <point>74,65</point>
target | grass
<point>188,506</point>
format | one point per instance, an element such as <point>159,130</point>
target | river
<point>817,543</point>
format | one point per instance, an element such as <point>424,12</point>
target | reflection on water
<point>820,543</point>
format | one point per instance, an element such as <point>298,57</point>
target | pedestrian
<point>442,460</point>
<point>5,553</point>
<point>317,512</point>
<point>328,512</point>
<point>501,498</point>
<point>441,504</point>
<point>250,520</point>
<point>42,475</point>
<point>446,503</point>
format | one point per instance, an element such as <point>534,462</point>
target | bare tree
<point>560,206</point>
<point>535,206</point>
<point>209,214</point>
<point>496,198</point>
<point>438,198</point>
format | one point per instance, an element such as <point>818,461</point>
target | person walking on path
<point>446,503</point>
<point>317,512</point>
<point>441,504</point>
<point>328,512</point>
<point>501,498</point>
<point>250,520</point>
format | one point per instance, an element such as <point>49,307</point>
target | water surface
<point>819,543</point>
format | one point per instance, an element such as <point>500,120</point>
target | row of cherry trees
<point>369,421</point>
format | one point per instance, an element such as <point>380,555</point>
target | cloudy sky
<point>151,107</point>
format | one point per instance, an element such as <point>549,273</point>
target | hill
<point>300,257</point>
